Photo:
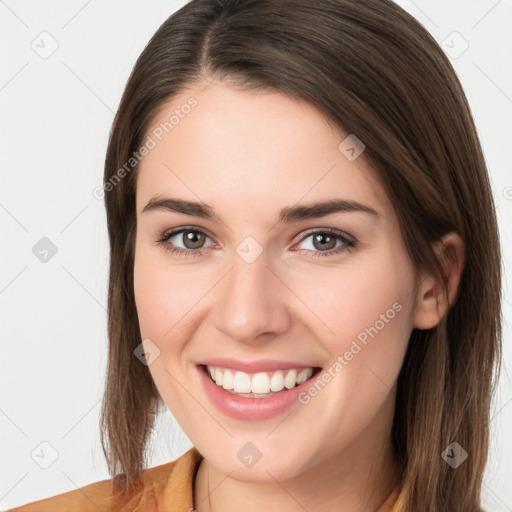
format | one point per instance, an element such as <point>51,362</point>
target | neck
<point>357,478</point>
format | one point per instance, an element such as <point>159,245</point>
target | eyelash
<point>349,244</point>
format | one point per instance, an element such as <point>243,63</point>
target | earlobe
<point>432,303</point>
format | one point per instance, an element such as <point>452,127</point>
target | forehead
<point>239,148</point>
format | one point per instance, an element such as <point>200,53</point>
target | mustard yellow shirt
<point>165,488</point>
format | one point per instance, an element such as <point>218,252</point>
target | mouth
<point>258,385</point>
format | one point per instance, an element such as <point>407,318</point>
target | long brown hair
<point>373,71</point>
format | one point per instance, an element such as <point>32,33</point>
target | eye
<point>326,240</point>
<point>193,240</point>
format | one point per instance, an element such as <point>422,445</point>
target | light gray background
<point>55,116</point>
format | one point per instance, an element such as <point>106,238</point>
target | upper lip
<point>254,366</point>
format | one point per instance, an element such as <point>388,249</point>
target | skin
<point>248,154</point>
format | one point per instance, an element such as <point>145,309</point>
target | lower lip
<point>243,408</point>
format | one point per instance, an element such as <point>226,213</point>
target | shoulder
<point>170,481</point>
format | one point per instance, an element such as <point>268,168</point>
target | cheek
<point>369,308</point>
<point>164,300</point>
<point>154,295</point>
<point>364,311</point>
<point>166,297</point>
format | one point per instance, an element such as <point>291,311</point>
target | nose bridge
<point>251,299</point>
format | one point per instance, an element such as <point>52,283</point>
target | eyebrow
<point>287,215</point>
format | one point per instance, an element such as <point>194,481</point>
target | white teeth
<point>260,383</point>
<point>290,379</point>
<point>303,376</point>
<point>242,383</point>
<point>219,374</point>
<point>227,380</point>
<point>277,381</point>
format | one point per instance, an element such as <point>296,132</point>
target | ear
<point>432,303</point>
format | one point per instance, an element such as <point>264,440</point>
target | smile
<point>259,384</point>
<point>255,395</point>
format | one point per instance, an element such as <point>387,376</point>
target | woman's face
<point>269,283</point>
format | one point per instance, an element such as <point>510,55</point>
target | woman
<point>355,376</point>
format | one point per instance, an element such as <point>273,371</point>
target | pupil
<point>319,237</point>
<point>190,238</point>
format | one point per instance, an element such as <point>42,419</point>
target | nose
<point>252,301</point>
